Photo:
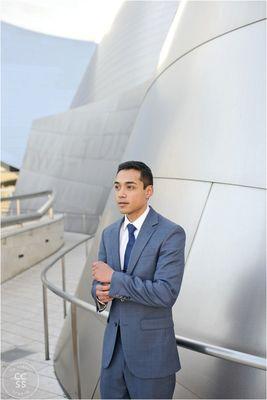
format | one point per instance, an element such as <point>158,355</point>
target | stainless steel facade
<point>75,153</point>
<point>201,128</point>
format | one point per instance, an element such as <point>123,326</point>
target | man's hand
<point>102,293</point>
<point>102,272</point>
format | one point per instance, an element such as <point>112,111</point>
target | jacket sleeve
<point>102,256</point>
<point>163,290</point>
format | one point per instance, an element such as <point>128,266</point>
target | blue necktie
<point>131,229</point>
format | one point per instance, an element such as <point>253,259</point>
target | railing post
<point>86,249</point>
<point>63,284</point>
<point>46,337</point>
<point>18,206</point>
<point>50,211</point>
<point>75,347</point>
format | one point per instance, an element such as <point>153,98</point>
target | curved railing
<point>249,360</point>
<point>21,218</point>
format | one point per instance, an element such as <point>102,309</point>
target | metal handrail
<point>27,195</point>
<point>20,219</point>
<point>75,301</point>
<point>222,352</point>
<point>246,359</point>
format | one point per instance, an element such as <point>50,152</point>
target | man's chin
<point>124,212</point>
<point>124,209</point>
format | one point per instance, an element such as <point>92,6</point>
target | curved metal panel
<point>65,151</point>
<point>228,254</point>
<point>173,198</point>
<point>128,53</point>
<point>196,22</point>
<point>90,336</point>
<point>204,117</point>
<point>212,378</point>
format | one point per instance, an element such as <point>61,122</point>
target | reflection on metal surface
<point>201,129</point>
<point>205,348</point>
<point>221,352</point>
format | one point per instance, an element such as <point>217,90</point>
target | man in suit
<point>140,271</point>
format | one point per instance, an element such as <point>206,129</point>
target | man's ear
<point>149,191</point>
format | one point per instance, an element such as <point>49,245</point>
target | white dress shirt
<point>124,234</point>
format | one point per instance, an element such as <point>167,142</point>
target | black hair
<point>145,172</point>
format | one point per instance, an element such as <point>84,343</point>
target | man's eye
<point>130,187</point>
<point>116,187</point>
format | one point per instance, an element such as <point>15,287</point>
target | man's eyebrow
<point>127,183</point>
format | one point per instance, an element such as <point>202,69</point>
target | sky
<point>46,47</point>
<point>40,75</point>
<point>87,20</point>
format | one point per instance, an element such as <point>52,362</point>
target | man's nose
<point>122,194</point>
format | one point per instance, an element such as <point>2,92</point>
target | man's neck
<point>134,216</point>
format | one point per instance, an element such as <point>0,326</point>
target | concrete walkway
<point>22,321</point>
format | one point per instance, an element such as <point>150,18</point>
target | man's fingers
<point>105,298</point>
<point>96,263</point>
<point>101,292</point>
<point>103,287</point>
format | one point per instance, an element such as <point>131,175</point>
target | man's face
<point>130,194</point>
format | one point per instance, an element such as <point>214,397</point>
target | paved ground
<point>22,321</point>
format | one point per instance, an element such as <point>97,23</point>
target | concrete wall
<point>22,247</point>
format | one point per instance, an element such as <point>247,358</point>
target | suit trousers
<point>117,381</point>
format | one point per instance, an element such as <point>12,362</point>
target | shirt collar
<point>138,222</point>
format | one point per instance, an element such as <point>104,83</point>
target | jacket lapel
<point>146,231</point>
<point>115,240</point>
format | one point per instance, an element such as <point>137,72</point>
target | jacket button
<point>116,323</point>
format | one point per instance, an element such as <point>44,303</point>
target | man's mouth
<point>122,203</point>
